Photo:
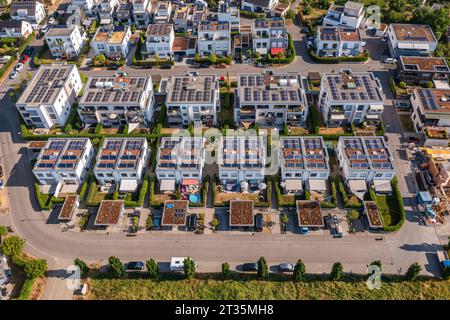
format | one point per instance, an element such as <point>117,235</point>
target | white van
<point>177,263</point>
<point>5,59</point>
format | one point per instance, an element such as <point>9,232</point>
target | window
<point>124,175</point>
<point>313,174</point>
<point>378,175</point>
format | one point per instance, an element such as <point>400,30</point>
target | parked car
<point>156,223</point>
<point>192,222</point>
<point>390,60</point>
<point>402,105</point>
<point>338,231</point>
<point>221,66</point>
<point>135,265</point>
<point>335,219</point>
<point>113,67</point>
<point>259,222</point>
<point>28,51</point>
<point>13,74</point>
<point>45,29</point>
<point>166,66</point>
<point>252,266</point>
<point>285,267</point>
<point>260,64</point>
<point>304,230</point>
<point>5,59</point>
<point>51,20</point>
<point>24,58</point>
<point>19,66</point>
<point>202,65</point>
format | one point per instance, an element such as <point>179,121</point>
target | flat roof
<point>244,152</point>
<point>61,154</point>
<point>269,23</point>
<point>435,64</point>
<point>241,213</point>
<point>180,44</point>
<point>175,212</point>
<point>68,207</point>
<point>413,32</point>
<point>373,214</point>
<point>191,89</point>
<point>121,153</point>
<point>160,29</point>
<point>309,213</point>
<point>182,153</point>
<point>109,212</point>
<point>434,100</point>
<point>109,34</point>
<point>206,26</point>
<point>60,31</point>
<point>304,153</point>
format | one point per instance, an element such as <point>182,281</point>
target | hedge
<point>251,15</point>
<point>153,202</point>
<point>400,208</point>
<point>333,60</point>
<point>84,187</point>
<point>290,54</point>
<point>92,189</point>
<point>219,60</point>
<point>347,202</point>
<point>333,203</point>
<point>6,66</point>
<point>51,200</point>
<point>27,288</point>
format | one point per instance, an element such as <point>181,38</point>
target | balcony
<point>295,109</point>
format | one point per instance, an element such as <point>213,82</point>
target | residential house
<point>271,99</point>
<point>431,107</point>
<point>47,100</point>
<point>163,12</point>
<point>141,12</point>
<point>418,70</point>
<point>65,42</point>
<point>15,29</point>
<point>258,5</point>
<point>87,6</point>
<point>350,97</point>
<point>64,161</point>
<point>31,11</point>
<point>117,100</point>
<point>124,12</point>
<point>192,98</point>
<point>241,214</point>
<point>159,40</point>
<point>410,40</point>
<point>181,16</point>
<point>180,162</point>
<point>241,161</point>
<point>227,13</point>
<point>184,47</point>
<point>122,161</point>
<point>199,15</point>
<point>109,213</point>
<point>350,15</point>
<point>304,161</point>
<point>338,42</point>
<point>280,10</point>
<point>105,11</point>
<point>242,42</point>
<point>113,42</point>
<point>269,36</point>
<point>175,214</point>
<point>214,37</point>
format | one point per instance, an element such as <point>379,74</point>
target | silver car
<point>285,267</point>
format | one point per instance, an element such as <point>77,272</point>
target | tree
<point>307,10</point>
<point>152,268</point>
<point>157,59</point>
<point>84,269</point>
<point>284,219</point>
<point>263,269</point>
<point>413,271</point>
<point>189,268</point>
<point>299,271</point>
<point>35,268</point>
<point>68,128</point>
<point>3,231</point>
<point>116,267</point>
<point>353,214</point>
<point>213,58</point>
<point>290,14</point>
<point>12,246</point>
<point>100,59</point>
<point>215,223</point>
<point>225,269</point>
<point>402,85</point>
<point>337,271</point>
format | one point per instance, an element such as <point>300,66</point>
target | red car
<point>24,59</point>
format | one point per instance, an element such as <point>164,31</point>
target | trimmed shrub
<point>225,269</point>
<point>152,269</point>
<point>189,268</point>
<point>263,269</point>
<point>299,271</point>
<point>12,246</point>
<point>337,272</point>
<point>84,269</point>
<point>35,268</point>
<point>413,271</point>
<point>116,267</point>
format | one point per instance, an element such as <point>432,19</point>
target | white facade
<point>105,11</point>
<point>431,107</point>
<point>63,161</point>
<point>227,13</point>
<point>338,42</point>
<point>64,42</point>
<point>48,99</point>
<point>410,40</point>
<point>214,37</point>
<point>350,15</point>
<point>159,40</point>
<point>258,5</point>
<point>86,5</point>
<point>269,36</point>
<point>15,29</point>
<point>162,12</point>
<point>113,42</point>
<point>141,12</point>
<point>31,11</point>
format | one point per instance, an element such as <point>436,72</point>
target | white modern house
<point>214,37</point>
<point>31,11</point>
<point>105,11</point>
<point>350,15</point>
<point>159,40</point>
<point>122,161</point>
<point>48,98</point>
<point>191,98</point>
<point>431,107</point>
<point>86,5</point>
<point>65,42</point>
<point>64,161</point>
<point>338,42</point>
<point>180,162</point>
<point>269,36</point>
<point>163,12</point>
<point>304,162</point>
<point>141,12</point>
<point>271,99</point>
<point>258,5</point>
<point>182,14</point>
<point>124,13</point>
<point>241,160</point>
<point>15,29</point>
<point>350,97</point>
<point>113,42</point>
<point>117,100</point>
<point>230,14</point>
<point>410,40</point>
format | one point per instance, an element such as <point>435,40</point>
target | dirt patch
<point>110,130</point>
<point>298,130</point>
<point>161,197</point>
<point>4,204</point>
<point>338,130</point>
<point>38,289</point>
<point>224,197</point>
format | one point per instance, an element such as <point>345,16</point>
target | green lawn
<point>281,288</point>
<point>386,205</point>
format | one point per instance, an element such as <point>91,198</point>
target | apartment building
<point>192,98</point>
<point>350,97</point>
<point>112,41</point>
<point>124,12</point>
<point>15,29</point>
<point>241,159</point>
<point>338,42</point>
<point>366,159</point>
<point>31,11</point>
<point>199,15</point>
<point>180,18</point>
<point>64,161</point>
<point>304,162</point>
<point>105,11</point>
<point>350,15</point>
<point>258,5</point>
<point>269,36</point>
<point>271,99</point>
<point>410,40</point>
<point>431,107</point>
<point>64,42</point>
<point>180,161</point>
<point>87,6</point>
<point>214,37</point>
<point>418,70</point>
<point>48,98</point>
<point>122,161</point>
<point>117,100</point>
<point>162,12</point>
<point>230,14</point>
<point>141,12</point>
<point>159,40</point>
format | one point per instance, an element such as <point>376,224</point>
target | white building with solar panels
<point>304,163</point>
<point>117,100</point>
<point>431,107</point>
<point>348,97</point>
<point>64,161</point>
<point>48,99</point>
<point>271,99</point>
<point>191,98</point>
<point>122,161</point>
<point>214,37</point>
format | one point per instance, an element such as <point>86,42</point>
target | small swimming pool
<point>194,198</point>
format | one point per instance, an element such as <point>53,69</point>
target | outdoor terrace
<point>109,212</point>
